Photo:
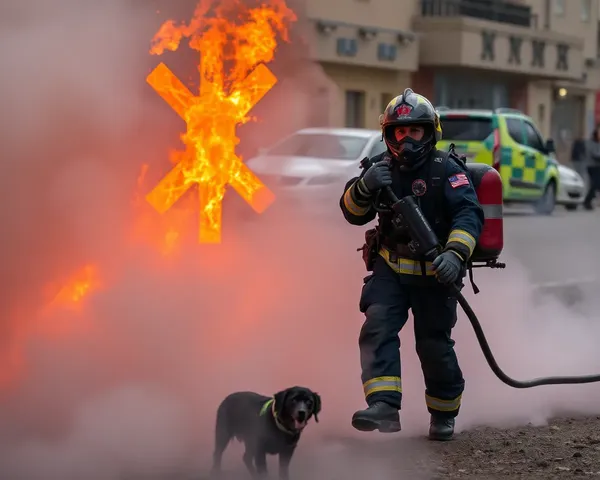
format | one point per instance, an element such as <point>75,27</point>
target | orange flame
<point>233,78</point>
<point>80,286</point>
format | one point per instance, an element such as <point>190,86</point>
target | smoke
<point>533,333</point>
<point>128,386</point>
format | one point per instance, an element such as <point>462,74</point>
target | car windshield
<point>466,129</point>
<point>321,145</point>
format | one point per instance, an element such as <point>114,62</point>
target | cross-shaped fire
<point>233,79</point>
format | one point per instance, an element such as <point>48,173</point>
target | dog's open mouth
<point>299,424</point>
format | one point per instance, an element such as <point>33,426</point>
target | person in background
<point>579,158</point>
<point>593,167</point>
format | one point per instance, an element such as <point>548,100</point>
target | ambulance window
<point>533,137</point>
<point>515,129</point>
<point>465,128</point>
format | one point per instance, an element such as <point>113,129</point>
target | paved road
<point>560,248</point>
<point>559,253</point>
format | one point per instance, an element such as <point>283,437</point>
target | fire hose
<point>425,242</point>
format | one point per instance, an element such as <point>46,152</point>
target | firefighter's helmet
<point>410,108</point>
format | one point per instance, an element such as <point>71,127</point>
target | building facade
<point>538,56</point>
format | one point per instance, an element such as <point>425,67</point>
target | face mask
<point>411,150</point>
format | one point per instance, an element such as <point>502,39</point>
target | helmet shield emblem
<point>403,110</point>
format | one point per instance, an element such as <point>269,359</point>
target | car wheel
<point>571,208</point>
<point>546,204</point>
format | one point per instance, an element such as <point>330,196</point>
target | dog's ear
<point>280,398</point>
<point>317,407</point>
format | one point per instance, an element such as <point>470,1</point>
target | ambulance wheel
<point>546,204</point>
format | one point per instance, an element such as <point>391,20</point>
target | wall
<point>374,83</point>
<point>570,21</point>
<point>539,105</point>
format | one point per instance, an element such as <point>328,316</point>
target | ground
<point>565,448</point>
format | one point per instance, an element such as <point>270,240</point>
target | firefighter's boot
<point>379,416</point>
<point>441,428</point>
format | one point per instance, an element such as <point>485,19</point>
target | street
<point>557,249</point>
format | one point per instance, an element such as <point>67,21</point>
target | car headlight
<point>323,180</point>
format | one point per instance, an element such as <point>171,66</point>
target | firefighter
<point>399,280</point>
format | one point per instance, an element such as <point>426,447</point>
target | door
<point>527,170</point>
<point>537,169</point>
<point>567,124</point>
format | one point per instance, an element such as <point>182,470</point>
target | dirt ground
<point>566,448</point>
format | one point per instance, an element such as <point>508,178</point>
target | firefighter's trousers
<point>385,301</point>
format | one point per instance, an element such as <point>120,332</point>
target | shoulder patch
<point>458,180</point>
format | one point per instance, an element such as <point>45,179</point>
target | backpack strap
<point>437,177</point>
<point>437,174</point>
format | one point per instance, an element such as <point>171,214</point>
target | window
<point>586,10</point>
<point>465,128</point>
<point>534,139</point>
<point>515,130</point>
<point>320,145</point>
<point>558,7</point>
<point>378,147</point>
<point>355,109</point>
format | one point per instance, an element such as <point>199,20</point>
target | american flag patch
<point>458,180</point>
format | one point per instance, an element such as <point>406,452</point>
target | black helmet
<point>410,108</point>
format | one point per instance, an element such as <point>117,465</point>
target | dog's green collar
<point>266,406</point>
<point>270,404</point>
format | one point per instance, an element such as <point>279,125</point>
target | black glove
<point>448,267</point>
<point>377,176</point>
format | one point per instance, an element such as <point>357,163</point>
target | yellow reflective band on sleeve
<point>406,266</point>
<point>362,189</point>
<point>464,238</point>
<point>382,384</point>
<point>443,405</point>
<point>351,205</point>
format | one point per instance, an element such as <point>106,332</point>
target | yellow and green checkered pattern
<point>528,167</point>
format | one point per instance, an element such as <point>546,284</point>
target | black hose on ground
<point>489,356</point>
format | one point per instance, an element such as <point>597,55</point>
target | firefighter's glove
<point>448,266</point>
<point>377,176</point>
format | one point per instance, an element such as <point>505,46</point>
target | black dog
<point>265,425</point>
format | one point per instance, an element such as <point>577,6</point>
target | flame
<point>66,314</point>
<point>82,283</point>
<point>233,78</point>
<point>60,317</point>
<point>163,234</point>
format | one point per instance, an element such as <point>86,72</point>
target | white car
<point>571,188</point>
<point>314,164</point>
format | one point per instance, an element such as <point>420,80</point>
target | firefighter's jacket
<point>448,200</point>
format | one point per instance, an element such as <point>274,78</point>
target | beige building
<point>539,56</point>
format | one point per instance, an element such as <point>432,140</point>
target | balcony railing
<point>493,10</point>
